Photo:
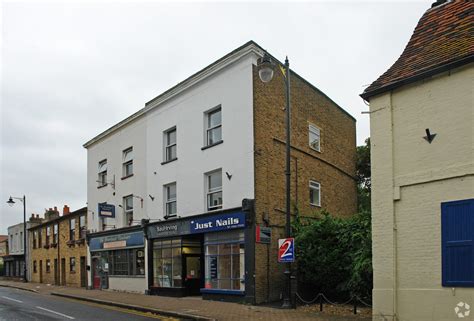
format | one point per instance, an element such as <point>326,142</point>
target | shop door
<point>41,271</point>
<point>95,274</point>
<point>193,279</point>
<point>56,272</point>
<point>83,272</point>
<point>63,271</point>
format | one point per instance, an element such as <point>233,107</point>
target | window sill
<point>167,217</point>
<point>169,161</point>
<point>101,186</point>
<point>72,272</point>
<point>212,145</point>
<point>125,177</point>
<point>315,205</point>
<point>222,291</point>
<point>315,150</point>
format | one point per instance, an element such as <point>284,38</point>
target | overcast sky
<point>70,71</point>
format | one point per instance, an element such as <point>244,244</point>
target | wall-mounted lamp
<point>229,176</point>
<point>151,197</point>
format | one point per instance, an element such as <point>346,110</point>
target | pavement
<point>185,308</point>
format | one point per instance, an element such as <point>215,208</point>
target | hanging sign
<point>106,210</point>
<point>286,250</point>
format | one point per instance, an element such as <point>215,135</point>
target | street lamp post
<point>11,202</point>
<point>265,73</point>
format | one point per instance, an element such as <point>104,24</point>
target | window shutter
<point>457,225</point>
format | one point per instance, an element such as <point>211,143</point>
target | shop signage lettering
<point>218,223</point>
<point>124,240</point>
<point>165,229</point>
<point>197,225</point>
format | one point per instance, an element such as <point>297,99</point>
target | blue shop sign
<point>117,241</point>
<point>106,210</point>
<point>218,223</point>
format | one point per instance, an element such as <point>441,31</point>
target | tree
<point>363,176</point>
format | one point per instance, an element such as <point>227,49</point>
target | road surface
<point>18,305</point>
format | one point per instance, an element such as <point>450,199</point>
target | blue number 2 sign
<point>286,250</point>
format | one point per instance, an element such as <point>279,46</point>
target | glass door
<point>193,278</point>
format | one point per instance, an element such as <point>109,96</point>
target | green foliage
<point>334,255</point>
<point>363,176</point>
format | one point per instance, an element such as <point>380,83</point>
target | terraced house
<point>178,190</point>
<point>58,248</point>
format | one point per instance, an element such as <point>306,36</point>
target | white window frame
<point>169,146</point>
<point>315,186</point>
<point>313,129</point>
<point>102,173</point>
<point>127,160</point>
<point>210,128</point>
<point>168,200</point>
<point>215,190</point>
<point>128,211</point>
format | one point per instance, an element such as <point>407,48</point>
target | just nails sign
<point>218,223</point>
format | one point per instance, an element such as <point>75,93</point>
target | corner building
<point>200,169</point>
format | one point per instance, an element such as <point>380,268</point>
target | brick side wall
<point>63,250</point>
<point>333,167</point>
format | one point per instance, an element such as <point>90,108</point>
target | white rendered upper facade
<point>189,151</point>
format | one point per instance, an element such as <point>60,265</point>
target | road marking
<point>63,315</point>
<point>15,300</point>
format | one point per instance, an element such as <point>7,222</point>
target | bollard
<point>321,303</point>
<point>355,307</point>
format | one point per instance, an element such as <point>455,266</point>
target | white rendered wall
<point>232,89</point>
<point>111,148</point>
<point>410,180</point>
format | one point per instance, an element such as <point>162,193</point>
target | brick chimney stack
<point>65,210</point>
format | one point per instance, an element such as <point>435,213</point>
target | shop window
<point>167,263</point>
<point>213,127</point>
<point>225,260</point>
<point>102,173</point>
<point>127,166</point>
<point>72,228</point>
<point>214,190</point>
<point>170,200</point>
<point>170,145</point>
<point>314,193</point>
<point>128,209</point>
<point>72,264</point>
<point>125,262</point>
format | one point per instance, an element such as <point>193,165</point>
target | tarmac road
<point>18,305</point>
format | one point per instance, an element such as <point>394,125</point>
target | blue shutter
<point>457,239</point>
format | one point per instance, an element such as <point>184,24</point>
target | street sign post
<point>286,250</point>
